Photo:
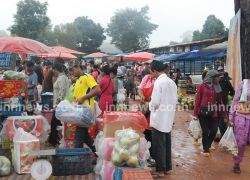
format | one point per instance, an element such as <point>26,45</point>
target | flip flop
<point>157,175</point>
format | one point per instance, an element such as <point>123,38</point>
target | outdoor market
<point>71,110</point>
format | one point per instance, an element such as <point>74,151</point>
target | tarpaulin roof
<point>216,47</point>
<point>66,50</point>
<point>193,55</point>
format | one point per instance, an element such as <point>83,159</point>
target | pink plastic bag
<point>108,170</point>
<point>135,120</point>
<point>108,145</point>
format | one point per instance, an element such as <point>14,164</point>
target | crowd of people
<point>111,84</point>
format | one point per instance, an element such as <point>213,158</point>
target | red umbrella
<point>23,45</point>
<point>139,56</point>
<point>66,56</point>
<point>96,55</point>
<point>66,50</point>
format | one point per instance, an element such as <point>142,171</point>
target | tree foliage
<point>130,29</point>
<point>91,34</point>
<point>30,20</point>
<point>212,28</point>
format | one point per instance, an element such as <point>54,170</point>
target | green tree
<point>212,28</point>
<point>90,36</point>
<point>130,29</point>
<point>30,19</point>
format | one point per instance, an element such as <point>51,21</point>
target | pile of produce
<point>186,102</point>
<point>126,148</point>
<point>13,75</point>
<point>5,166</point>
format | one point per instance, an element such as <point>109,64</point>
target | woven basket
<point>243,107</point>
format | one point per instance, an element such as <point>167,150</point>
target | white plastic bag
<point>228,142</point>
<point>121,96</point>
<point>218,134</point>
<point>75,114</point>
<point>98,111</point>
<point>24,143</point>
<point>194,129</point>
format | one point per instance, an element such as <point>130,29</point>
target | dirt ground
<point>188,164</point>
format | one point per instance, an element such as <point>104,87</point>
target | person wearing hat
<point>227,89</point>
<point>207,103</point>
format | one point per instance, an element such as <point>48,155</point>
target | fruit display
<point>126,148</point>
<point>186,102</point>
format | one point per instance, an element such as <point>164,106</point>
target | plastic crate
<point>75,161</point>
<point>6,110</point>
<point>132,174</point>
<point>47,101</point>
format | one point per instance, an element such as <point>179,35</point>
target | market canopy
<point>62,49</point>
<point>139,56</point>
<point>216,47</point>
<point>23,46</point>
<point>95,55</point>
<point>65,56</point>
<point>193,55</point>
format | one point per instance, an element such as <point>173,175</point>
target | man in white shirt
<point>162,107</point>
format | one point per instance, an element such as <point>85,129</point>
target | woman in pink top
<point>145,90</point>
<point>107,90</point>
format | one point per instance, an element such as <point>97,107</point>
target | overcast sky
<point>174,17</point>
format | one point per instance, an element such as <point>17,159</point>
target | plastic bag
<point>194,129</point>
<point>126,148</point>
<point>35,125</point>
<point>144,153</point>
<point>75,114</point>
<point>107,171</point>
<point>135,120</point>
<point>228,142</point>
<point>5,166</point>
<point>24,143</point>
<point>98,111</point>
<point>218,134</point>
<point>121,96</point>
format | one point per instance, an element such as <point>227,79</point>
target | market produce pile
<point>13,75</point>
<point>186,102</point>
<point>126,148</point>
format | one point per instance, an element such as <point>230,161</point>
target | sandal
<point>236,169</point>
<point>157,175</point>
<point>205,154</point>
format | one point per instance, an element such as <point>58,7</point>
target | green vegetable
<point>5,166</point>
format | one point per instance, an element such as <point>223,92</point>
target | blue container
<point>6,110</point>
<point>47,101</point>
<point>117,174</point>
<point>72,161</point>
